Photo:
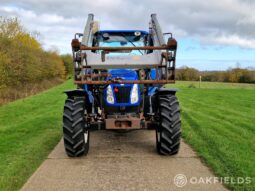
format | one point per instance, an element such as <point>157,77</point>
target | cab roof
<point>122,31</point>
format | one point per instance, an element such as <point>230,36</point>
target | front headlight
<point>134,94</point>
<point>109,95</point>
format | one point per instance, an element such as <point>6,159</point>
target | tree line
<point>23,60</point>
<point>235,75</point>
<point>25,67</point>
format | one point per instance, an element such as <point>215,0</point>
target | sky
<point>211,35</point>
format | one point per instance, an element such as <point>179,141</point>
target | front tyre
<point>168,134</point>
<point>76,137</point>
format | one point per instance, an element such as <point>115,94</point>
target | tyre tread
<point>73,127</point>
<point>170,125</point>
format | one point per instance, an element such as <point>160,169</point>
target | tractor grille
<point>123,94</point>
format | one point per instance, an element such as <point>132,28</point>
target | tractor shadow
<point>137,142</point>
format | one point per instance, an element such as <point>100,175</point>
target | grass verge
<point>218,121</point>
<point>10,94</point>
<point>29,129</point>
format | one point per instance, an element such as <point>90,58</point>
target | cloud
<point>223,23</point>
<point>235,40</point>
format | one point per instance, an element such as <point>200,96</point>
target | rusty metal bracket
<point>118,81</point>
<point>163,47</point>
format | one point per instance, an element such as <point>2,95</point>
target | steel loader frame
<point>90,67</point>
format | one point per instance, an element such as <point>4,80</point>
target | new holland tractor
<point>120,77</point>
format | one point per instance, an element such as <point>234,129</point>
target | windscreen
<point>130,39</point>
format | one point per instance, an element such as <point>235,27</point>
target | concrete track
<point>121,161</point>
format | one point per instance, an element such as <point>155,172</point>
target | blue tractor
<point>120,77</point>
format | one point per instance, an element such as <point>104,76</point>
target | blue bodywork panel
<point>89,93</point>
<point>125,74</point>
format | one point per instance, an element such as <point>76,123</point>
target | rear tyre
<point>76,137</point>
<point>168,134</point>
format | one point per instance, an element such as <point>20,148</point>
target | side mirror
<point>168,33</point>
<point>172,44</point>
<point>75,45</point>
<point>78,35</point>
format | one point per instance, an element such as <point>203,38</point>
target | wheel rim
<point>158,140</point>
<point>158,136</point>
<point>86,136</point>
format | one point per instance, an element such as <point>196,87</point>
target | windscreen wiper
<point>131,42</point>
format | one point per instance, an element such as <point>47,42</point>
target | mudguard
<point>75,93</point>
<point>167,91</point>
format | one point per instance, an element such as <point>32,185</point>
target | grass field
<point>29,129</point>
<point>218,121</point>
